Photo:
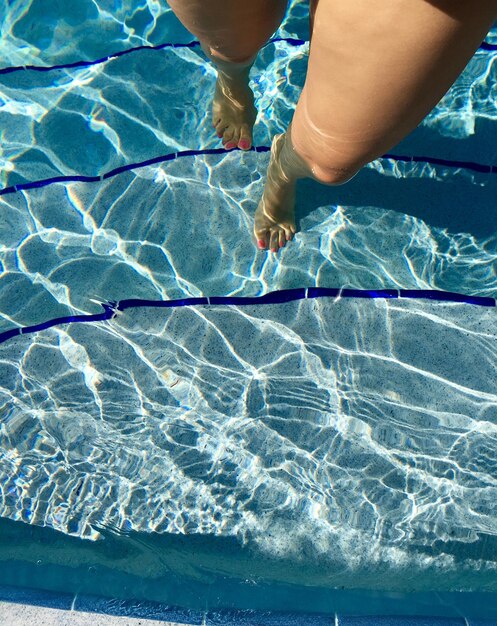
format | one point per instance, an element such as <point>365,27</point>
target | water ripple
<point>364,420</point>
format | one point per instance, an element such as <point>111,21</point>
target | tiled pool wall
<point>19,607</point>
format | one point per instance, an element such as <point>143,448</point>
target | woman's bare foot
<point>233,109</point>
<point>275,215</point>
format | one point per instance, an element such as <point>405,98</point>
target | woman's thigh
<point>376,68</point>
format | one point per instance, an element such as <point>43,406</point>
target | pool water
<point>301,446</point>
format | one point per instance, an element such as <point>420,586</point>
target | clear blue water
<point>313,444</point>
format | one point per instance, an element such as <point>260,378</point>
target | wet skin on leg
<point>231,33</point>
<point>375,71</point>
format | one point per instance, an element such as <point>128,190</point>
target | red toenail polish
<point>261,244</point>
<point>230,146</point>
<point>244,144</point>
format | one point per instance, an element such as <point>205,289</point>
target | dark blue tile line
<point>191,44</point>
<point>274,297</point>
<point>488,46</point>
<point>114,55</point>
<point>467,165</point>
<point>289,40</point>
<point>48,181</point>
<point>116,171</point>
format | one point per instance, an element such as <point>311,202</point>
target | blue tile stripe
<point>275,297</point>
<point>467,165</point>
<point>191,44</point>
<point>109,57</point>
<point>114,55</point>
<point>485,45</point>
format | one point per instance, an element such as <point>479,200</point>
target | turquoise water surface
<point>314,444</point>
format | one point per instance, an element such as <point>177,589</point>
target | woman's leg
<point>375,70</point>
<point>231,33</point>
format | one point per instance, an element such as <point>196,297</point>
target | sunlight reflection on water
<point>348,433</point>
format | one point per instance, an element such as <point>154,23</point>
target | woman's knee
<point>333,160</point>
<point>328,173</point>
<point>326,165</point>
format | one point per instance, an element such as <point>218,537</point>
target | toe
<point>221,127</point>
<point>235,138</point>
<point>289,233</point>
<point>274,240</point>
<point>261,237</point>
<point>228,138</point>
<point>245,141</point>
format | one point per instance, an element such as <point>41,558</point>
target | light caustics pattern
<point>470,166</point>
<point>147,387</point>
<point>355,437</point>
<point>122,108</point>
<point>111,309</point>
